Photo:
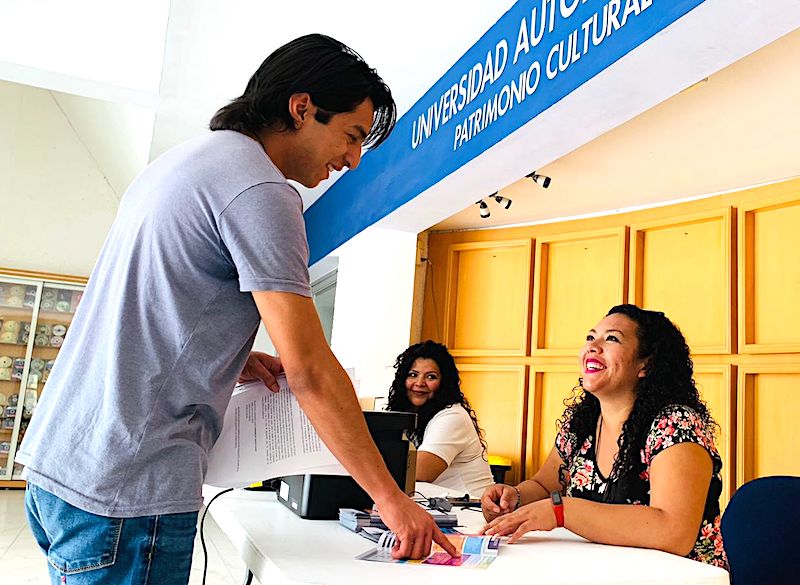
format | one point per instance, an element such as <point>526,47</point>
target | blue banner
<point>536,54</point>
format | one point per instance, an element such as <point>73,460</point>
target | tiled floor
<point>22,563</point>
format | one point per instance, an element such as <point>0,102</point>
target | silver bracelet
<point>519,496</point>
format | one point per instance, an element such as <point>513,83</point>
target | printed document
<point>266,434</point>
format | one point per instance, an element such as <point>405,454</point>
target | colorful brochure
<point>477,552</point>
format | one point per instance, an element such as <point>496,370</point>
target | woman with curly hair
<point>634,462</point>
<point>451,451</point>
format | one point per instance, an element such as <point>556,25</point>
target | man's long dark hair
<point>667,381</point>
<point>449,391</point>
<point>335,76</point>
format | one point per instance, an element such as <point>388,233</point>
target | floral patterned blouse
<point>675,424</point>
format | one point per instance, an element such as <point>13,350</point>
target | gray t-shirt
<point>137,395</point>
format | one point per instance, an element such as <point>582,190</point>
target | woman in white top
<point>451,451</point>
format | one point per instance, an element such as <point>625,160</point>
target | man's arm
<point>326,394</point>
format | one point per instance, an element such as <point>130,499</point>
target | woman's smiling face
<point>610,359</point>
<point>422,381</point>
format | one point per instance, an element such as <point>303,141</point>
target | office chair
<point>761,532</point>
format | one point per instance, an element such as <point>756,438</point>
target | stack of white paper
<point>266,434</point>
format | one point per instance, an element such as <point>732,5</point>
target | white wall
<point>374,295</point>
<point>116,135</point>
<point>56,204</point>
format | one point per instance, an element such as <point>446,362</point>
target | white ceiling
<point>738,128</point>
<point>735,130</point>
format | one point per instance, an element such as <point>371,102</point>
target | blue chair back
<point>761,532</point>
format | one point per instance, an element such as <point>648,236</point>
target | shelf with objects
<point>36,311</point>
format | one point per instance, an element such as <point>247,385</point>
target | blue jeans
<point>86,549</point>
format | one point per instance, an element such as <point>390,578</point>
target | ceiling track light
<point>542,180</point>
<point>484,209</point>
<point>504,201</point>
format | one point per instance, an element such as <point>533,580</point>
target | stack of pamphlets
<point>357,520</point>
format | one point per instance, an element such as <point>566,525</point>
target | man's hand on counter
<point>415,528</point>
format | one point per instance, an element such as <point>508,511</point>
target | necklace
<point>597,441</point>
<point>596,471</point>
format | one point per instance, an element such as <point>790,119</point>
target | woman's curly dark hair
<point>667,381</point>
<point>449,391</point>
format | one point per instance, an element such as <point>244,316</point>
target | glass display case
<point>35,316</point>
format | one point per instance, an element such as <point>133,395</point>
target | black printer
<point>319,497</point>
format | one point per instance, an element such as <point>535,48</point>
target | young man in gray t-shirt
<point>209,242</point>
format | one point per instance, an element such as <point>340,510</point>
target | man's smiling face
<point>321,148</point>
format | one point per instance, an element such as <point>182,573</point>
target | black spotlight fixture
<point>484,208</point>
<point>504,201</point>
<point>542,180</point>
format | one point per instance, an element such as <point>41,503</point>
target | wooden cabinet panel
<point>548,388</point>
<point>578,278</point>
<point>769,276</point>
<point>488,298</point>
<point>769,436</point>
<point>497,394</point>
<point>683,267</point>
<point>715,384</point>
